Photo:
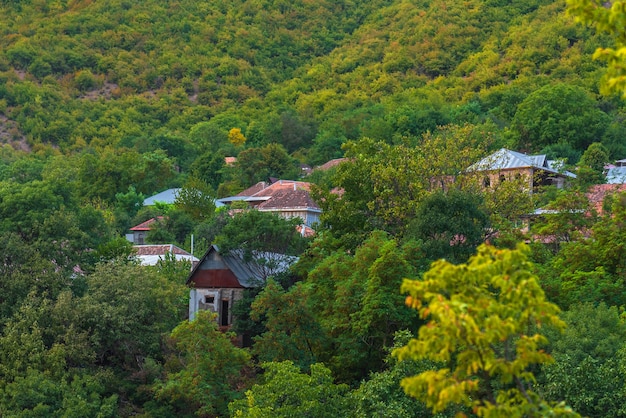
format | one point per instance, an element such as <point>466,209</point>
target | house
<point>150,255</point>
<point>140,232</point>
<point>509,165</point>
<point>286,198</point>
<point>218,280</point>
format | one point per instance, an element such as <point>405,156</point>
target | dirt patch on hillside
<point>10,134</point>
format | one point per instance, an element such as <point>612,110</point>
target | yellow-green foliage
<point>484,327</point>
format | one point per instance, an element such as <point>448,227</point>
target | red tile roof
<point>330,164</point>
<point>596,194</point>
<point>250,191</point>
<point>280,195</point>
<point>282,199</point>
<point>285,194</point>
<point>145,226</point>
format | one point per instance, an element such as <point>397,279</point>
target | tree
<point>271,160</point>
<point>204,370</point>
<point>450,224</point>
<point>382,185</point>
<point>559,113</point>
<point>592,163</point>
<point>484,321</point>
<point>380,394</point>
<point>592,270</point>
<point>588,370</point>
<point>264,240</point>
<point>287,392</point>
<point>566,219</point>
<point>236,137</point>
<point>609,18</point>
<point>197,199</point>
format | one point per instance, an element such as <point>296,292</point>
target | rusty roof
<point>289,199</point>
<point>330,164</point>
<point>158,249</point>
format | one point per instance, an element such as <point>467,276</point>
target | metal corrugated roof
<point>616,175</point>
<point>250,273</point>
<point>505,159</point>
<point>167,196</point>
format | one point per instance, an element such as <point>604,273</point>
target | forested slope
<point>105,103</point>
<point>303,74</point>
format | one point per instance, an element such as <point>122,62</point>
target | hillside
<point>308,75</point>
<point>433,285</point>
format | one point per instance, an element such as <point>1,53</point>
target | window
<point>209,299</point>
<point>486,182</point>
<point>502,178</point>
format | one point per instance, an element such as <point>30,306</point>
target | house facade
<point>219,280</point>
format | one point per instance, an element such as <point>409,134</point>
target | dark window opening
<point>209,299</point>
<point>224,318</point>
<point>486,182</point>
<point>502,178</point>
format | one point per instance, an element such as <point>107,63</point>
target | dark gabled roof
<point>245,271</point>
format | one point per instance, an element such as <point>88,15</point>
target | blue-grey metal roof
<point>616,175</point>
<point>167,196</point>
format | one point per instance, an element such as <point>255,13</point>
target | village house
<point>139,232</point>
<point>286,198</point>
<point>219,280</point>
<point>534,170</point>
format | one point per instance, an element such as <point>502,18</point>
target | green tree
<point>592,270</point>
<point>197,199</point>
<point>587,372</point>
<point>559,113</point>
<point>264,240</point>
<point>484,320</point>
<point>287,392</point>
<point>607,18</point>
<point>271,160</point>
<point>381,186</point>
<point>450,224</point>
<point>591,164</point>
<point>567,217</point>
<point>205,369</point>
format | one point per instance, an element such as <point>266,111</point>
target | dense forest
<point>396,307</point>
